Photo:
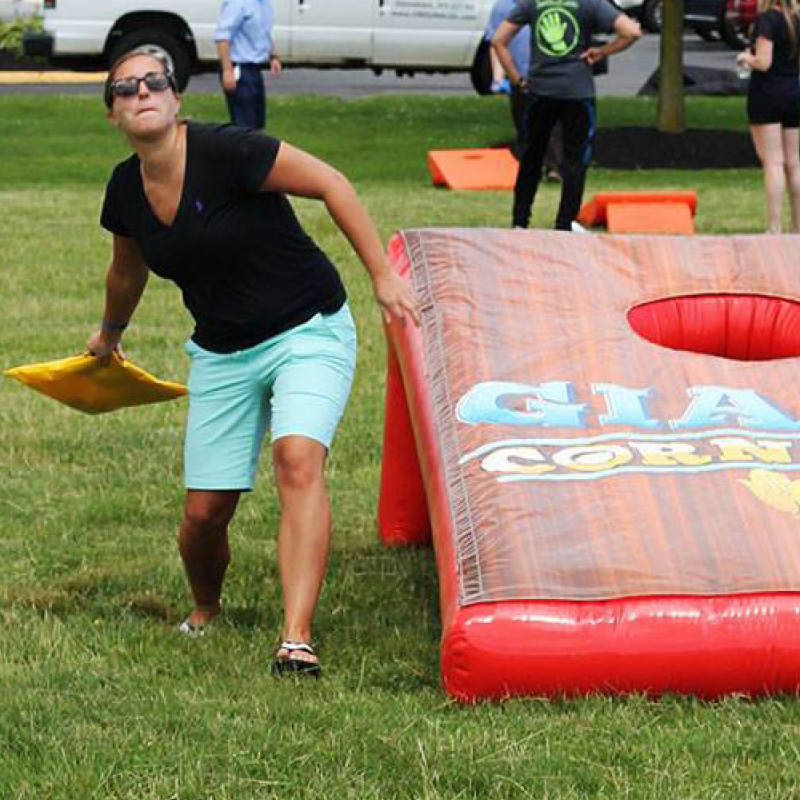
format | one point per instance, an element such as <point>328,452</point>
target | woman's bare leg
<point>305,533</point>
<point>791,161</point>
<point>203,545</point>
<point>769,147</point>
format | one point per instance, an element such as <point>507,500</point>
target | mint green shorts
<point>295,384</point>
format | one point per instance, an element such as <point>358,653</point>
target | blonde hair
<point>789,9</point>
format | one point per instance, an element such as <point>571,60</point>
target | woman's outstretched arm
<point>302,175</point>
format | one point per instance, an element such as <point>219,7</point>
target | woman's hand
<point>758,58</point>
<point>103,343</point>
<point>396,298</point>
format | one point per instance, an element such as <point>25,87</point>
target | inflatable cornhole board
<point>641,212</point>
<point>488,168</point>
<point>601,433</point>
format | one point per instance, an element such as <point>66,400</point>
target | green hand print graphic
<point>557,32</point>
<point>553,30</point>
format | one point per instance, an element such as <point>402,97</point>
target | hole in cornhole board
<point>744,327</point>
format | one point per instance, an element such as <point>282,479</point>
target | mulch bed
<point>648,148</point>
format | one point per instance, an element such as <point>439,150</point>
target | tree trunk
<point>671,114</point>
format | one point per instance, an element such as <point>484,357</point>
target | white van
<point>405,35</point>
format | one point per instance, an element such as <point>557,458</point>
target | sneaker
<point>192,631</point>
<point>552,175</point>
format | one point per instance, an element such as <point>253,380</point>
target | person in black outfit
<point>274,343</point>
<point>773,105</point>
<point>560,88</point>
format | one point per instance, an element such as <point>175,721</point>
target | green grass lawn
<point>99,698</point>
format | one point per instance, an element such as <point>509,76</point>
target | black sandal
<point>296,666</point>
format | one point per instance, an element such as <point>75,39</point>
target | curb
<point>10,77</point>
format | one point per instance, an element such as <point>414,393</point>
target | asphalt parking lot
<point>627,73</point>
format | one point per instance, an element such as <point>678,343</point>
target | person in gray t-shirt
<point>560,87</point>
<point>520,48</point>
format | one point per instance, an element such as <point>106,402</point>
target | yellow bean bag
<point>95,385</point>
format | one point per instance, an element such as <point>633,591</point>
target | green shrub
<point>11,33</point>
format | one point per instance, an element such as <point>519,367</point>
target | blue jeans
<point>247,103</point>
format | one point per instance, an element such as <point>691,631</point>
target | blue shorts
<point>296,383</point>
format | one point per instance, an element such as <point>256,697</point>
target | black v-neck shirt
<point>245,266</point>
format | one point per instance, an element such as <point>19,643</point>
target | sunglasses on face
<point>128,87</point>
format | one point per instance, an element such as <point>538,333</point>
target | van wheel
<point>652,15</point>
<point>177,51</point>
<point>481,71</point>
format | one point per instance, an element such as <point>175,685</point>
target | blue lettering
<point>549,405</point>
<point>714,405</point>
<point>625,406</point>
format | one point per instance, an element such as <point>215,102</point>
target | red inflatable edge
<point>650,645</point>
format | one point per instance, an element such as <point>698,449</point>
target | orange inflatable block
<point>641,212</point>
<point>488,168</point>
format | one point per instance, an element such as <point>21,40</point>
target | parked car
<point>405,35</point>
<point>701,16</point>
<point>729,20</point>
<point>705,17</point>
<point>738,21</point>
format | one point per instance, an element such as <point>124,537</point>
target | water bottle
<point>743,70</point>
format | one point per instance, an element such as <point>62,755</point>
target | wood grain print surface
<point>583,462</point>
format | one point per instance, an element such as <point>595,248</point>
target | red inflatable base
<point>493,651</point>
